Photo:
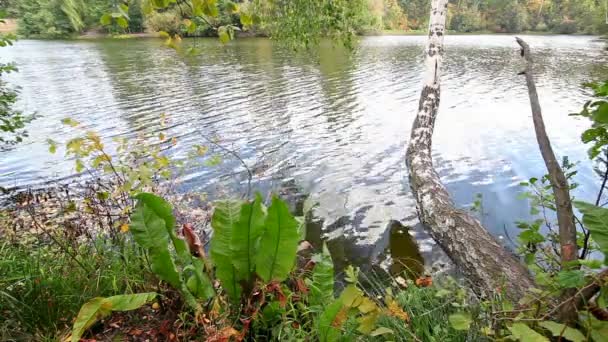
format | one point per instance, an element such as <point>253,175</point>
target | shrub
<point>466,20</point>
<point>169,21</point>
<point>566,26</point>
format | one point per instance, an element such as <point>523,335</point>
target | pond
<point>332,122</point>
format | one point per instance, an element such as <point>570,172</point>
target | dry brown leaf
<point>425,281</point>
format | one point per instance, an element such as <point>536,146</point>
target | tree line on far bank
<point>64,18</point>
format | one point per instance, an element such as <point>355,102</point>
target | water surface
<point>336,123</point>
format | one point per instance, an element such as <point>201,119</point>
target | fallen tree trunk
<point>481,258</point>
<point>559,183</point>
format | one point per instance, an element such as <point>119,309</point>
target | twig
<point>65,249</point>
<point>236,155</point>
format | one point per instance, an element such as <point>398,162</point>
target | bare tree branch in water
<point>559,182</point>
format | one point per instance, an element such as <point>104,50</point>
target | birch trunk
<point>481,258</point>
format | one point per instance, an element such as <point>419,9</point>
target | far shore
<point>10,26</point>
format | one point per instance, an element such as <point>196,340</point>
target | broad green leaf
<point>210,8</point>
<point>223,34</point>
<point>98,308</point>
<point>524,333</point>
<point>601,113</point>
<point>70,122</point>
<point>52,145</point>
<point>596,221</point>
<point>246,20</point>
<point>367,323</point>
<point>152,225</point>
<point>460,321</point>
<point>322,284</point>
<point>198,283</point>
<point>279,243</point>
<point>149,231</point>
<point>351,297</point>
<point>231,7</point>
<point>382,331</point>
<point>160,3</point>
<point>592,264</point>
<point>79,166</point>
<point>564,331</point>
<point>327,327</point>
<point>223,222</point>
<point>122,22</point>
<point>89,313</point>
<point>571,278</point>
<point>106,19</point>
<point>531,236</point>
<point>245,237</point>
<point>598,329</point>
<point>164,210</point>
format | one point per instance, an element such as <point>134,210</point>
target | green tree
<point>12,122</point>
<point>43,19</point>
<point>417,12</point>
<point>394,17</point>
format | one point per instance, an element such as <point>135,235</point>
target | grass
<point>428,307</point>
<point>42,287</point>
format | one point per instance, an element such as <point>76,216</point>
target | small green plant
<point>153,228</point>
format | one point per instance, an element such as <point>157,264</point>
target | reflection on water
<point>405,254</point>
<point>334,122</point>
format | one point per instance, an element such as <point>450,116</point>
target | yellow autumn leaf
<point>393,309</point>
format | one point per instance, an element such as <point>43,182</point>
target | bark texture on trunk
<point>481,258</point>
<point>559,182</point>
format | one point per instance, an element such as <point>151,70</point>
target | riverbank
<point>149,35</point>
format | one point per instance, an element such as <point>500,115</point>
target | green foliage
<point>42,286</point>
<point>596,110</point>
<point>322,283</point>
<point>153,228</point>
<point>561,330</point>
<point>417,12</point>
<point>338,19</point>
<point>523,333</point>
<point>12,122</point>
<point>512,17</point>
<point>245,238</point>
<point>224,221</point>
<point>64,18</point>
<point>465,20</point>
<point>596,221</point>
<point>460,321</point>
<point>278,243</point>
<point>139,165</point>
<point>98,308</point>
